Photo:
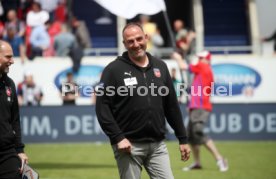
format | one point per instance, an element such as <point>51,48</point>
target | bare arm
<point>180,61</point>
<point>272,37</point>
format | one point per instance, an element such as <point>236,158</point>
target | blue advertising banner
<point>80,124</point>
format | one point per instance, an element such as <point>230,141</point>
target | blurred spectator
<point>69,90</point>
<point>174,79</point>
<point>149,29</point>
<point>64,42</point>
<point>16,42</point>
<point>39,40</point>
<point>81,32</point>
<point>157,42</point>
<point>36,16</point>
<point>27,40</point>
<point>20,84</point>
<point>25,7</point>
<point>2,29</point>
<point>18,24</point>
<point>271,38</point>
<point>61,11</point>
<point>184,37</point>
<point>175,83</point>
<point>178,27</point>
<point>29,94</point>
<point>49,6</point>
<point>76,54</point>
<point>83,38</point>
<point>9,5</point>
<point>53,30</point>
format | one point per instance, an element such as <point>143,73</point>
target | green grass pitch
<point>247,160</point>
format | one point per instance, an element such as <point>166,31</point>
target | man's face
<point>135,41</point>
<point>70,78</point>
<point>6,58</point>
<point>11,15</point>
<point>178,25</point>
<point>29,80</point>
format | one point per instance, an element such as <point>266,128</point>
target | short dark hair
<point>132,24</point>
<point>69,74</point>
<point>37,4</point>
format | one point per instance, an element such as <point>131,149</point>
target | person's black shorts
<point>198,118</point>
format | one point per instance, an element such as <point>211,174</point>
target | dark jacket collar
<point>3,76</point>
<point>125,58</point>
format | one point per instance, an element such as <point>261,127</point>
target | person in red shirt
<point>201,85</point>
<point>199,108</point>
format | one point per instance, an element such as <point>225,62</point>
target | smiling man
<point>136,122</point>
<point>12,155</point>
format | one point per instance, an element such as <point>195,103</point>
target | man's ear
<point>124,43</point>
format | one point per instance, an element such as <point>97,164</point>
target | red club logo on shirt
<point>8,91</point>
<point>157,72</point>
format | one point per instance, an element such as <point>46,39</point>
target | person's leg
<point>221,162</point>
<point>35,51</point>
<point>196,153</point>
<point>130,164</point>
<point>196,137</point>
<point>192,139</point>
<point>196,127</point>
<point>195,149</point>
<point>158,162</point>
<point>210,145</point>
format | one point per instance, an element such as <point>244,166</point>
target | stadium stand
<point>225,23</point>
